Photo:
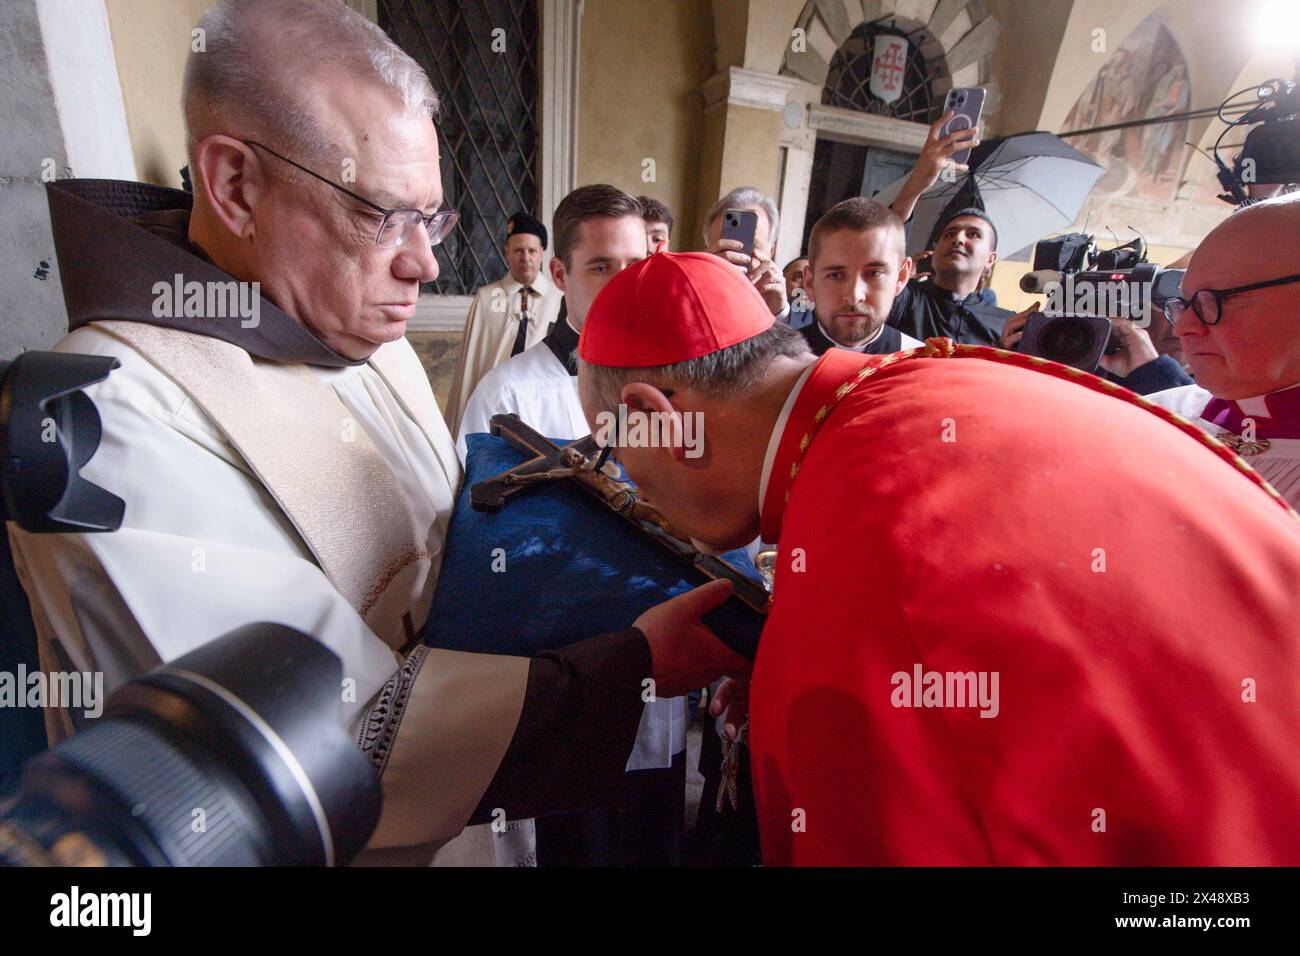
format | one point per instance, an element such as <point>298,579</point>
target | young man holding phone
<point>950,304</point>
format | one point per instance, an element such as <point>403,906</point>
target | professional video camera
<point>1271,153</point>
<point>234,754</point>
<point>1085,288</point>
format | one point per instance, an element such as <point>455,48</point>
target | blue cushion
<point>571,568</point>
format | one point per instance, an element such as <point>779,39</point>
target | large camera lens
<point>233,755</point>
<point>1068,340</point>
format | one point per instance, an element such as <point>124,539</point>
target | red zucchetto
<point>669,308</point>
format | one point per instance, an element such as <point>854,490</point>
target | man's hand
<point>936,154</point>
<point>1135,348</point>
<point>762,272</point>
<point>1014,330</point>
<point>731,698</point>
<point>769,282</point>
<point>684,653</point>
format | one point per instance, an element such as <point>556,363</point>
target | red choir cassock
<point>1020,616</point>
<point>1134,588</point>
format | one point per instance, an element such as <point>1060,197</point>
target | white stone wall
<point>58,121</point>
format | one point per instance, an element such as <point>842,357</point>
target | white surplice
<point>533,385</point>
<point>1278,464</point>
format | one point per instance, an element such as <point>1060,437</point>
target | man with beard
<point>856,265</point>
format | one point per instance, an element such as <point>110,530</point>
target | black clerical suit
<point>924,310</point>
<point>889,340</point>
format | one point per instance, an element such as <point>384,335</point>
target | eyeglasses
<point>1208,303</point>
<point>397,224</point>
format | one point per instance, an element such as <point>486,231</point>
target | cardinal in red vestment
<point>1019,615</point>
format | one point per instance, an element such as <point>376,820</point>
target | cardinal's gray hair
<point>248,57</point>
<point>732,372</point>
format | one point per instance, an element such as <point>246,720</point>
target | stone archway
<point>956,40</point>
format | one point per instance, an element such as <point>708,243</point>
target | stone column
<point>62,115</point>
<point>743,112</point>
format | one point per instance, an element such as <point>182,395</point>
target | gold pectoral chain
<point>1227,446</point>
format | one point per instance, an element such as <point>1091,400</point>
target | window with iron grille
<point>482,58</point>
<point>849,78</point>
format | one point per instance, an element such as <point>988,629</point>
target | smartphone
<point>740,224</point>
<point>967,102</point>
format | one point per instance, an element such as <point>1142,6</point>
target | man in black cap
<point>507,316</point>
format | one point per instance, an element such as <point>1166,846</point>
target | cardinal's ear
<point>644,397</point>
<point>661,424</point>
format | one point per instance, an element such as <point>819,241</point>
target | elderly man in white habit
<point>289,464</point>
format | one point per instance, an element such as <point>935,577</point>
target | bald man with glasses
<point>1238,320</point>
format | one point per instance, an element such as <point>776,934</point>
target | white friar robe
<point>1278,464</point>
<point>491,328</point>
<point>268,478</point>
<point>539,389</point>
<point>239,477</point>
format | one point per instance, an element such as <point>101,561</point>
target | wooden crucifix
<point>577,461</point>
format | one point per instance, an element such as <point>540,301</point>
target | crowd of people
<point>1020,615</point>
